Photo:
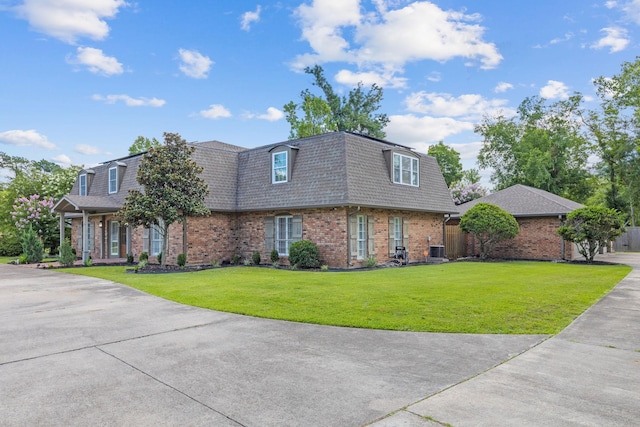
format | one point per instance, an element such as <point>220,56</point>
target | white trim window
<point>284,234</point>
<point>362,236</point>
<point>397,231</point>
<point>279,167</point>
<point>155,246</point>
<point>82,184</point>
<point>405,170</point>
<point>113,180</point>
<point>114,238</point>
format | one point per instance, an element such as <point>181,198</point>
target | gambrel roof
<point>329,170</point>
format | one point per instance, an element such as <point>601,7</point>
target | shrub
<point>489,224</point>
<point>324,267</point>
<point>275,256</point>
<point>160,258</point>
<point>144,256</point>
<point>371,261</point>
<point>88,262</point>
<point>304,254</point>
<point>247,262</point>
<point>256,258</point>
<point>22,259</point>
<point>182,260</point>
<point>67,257</point>
<point>236,259</point>
<point>10,243</point>
<point>32,245</point>
<point>129,258</point>
<point>215,263</point>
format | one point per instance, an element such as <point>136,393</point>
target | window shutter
<point>145,240</point>
<point>80,245</point>
<point>296,228</point>
<point>405,233</point>
<point>353,237</point>
<point>392,237</point>
<point>269,241</point>
<point>371,249</point>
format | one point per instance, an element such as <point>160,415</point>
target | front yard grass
<point>487,298</point>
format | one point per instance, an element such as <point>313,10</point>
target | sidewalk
<point>588,375</point>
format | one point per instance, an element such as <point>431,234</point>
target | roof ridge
<point>546,195</point>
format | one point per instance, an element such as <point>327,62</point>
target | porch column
<point>61,228</point>
<point>85,236</point>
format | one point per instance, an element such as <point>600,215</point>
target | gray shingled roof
<point>520,200</point>
<point>335,169</point>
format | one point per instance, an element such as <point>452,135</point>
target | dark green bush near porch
<point>144,256</point>
<point>256,258</point>
<point>67,257</point>
<point>32,246</point>
<point>304,254</point>
<point>275,256</point>
<point>182,260</point>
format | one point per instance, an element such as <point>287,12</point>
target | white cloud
<point>26,138</point>
<point>96,61</point>
<point>503,87</point>
<point>390,38</point>
<point>250,17</point>
<point>566,38</point>
<point>194,64</point>
<point>468,106</point>
<point>420,132</point>
<point>129,101</point>
<point>89,150</point>
<point>434,77</point>
<point>215,111</point>
<point>68,20</point>
<point>632,9</point>
<point>616,39</point>
<point>555,90</point>
<point>468,151</point>
<point>272,115</point>
<point>386,80</point>
<point>62,160</point>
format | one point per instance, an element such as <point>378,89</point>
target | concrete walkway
<point>82,351</point>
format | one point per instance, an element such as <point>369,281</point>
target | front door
<point>114,239</point>
<point>123,242</point>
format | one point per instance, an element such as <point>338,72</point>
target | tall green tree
<point>542,147</point>
<point>172,189</point>
<point>142,144</point>
<point>449,161</point>
<point>355,112</point>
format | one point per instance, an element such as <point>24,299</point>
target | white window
<point>284,233</point>
<point>113,180</point>
<point>362,236</point>
<point>405,170</point>
<point>114,238</point>
<point>279,167</point>
<point>83,185</point>
<point>397,231</point>
<point>156,240</point>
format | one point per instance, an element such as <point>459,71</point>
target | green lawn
<point>511,297</point>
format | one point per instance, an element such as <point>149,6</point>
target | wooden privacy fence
<point>629,241</point>
<point>456,242</point>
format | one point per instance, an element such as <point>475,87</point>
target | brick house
<point>352,195</point>
<point>539,215</point>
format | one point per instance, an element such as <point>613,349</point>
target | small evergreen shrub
<point>32,246</point>
<point>275,256</point>
<point>304,254</point>
<point>144,256</point>
<point>236,259</point>
<point>22,259</point>
<point>182,260</point>
<point>256,258</point>
<point>160,258</point>
<point>67,257</point>
<point>129,258</point>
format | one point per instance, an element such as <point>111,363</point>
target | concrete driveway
<point>82,351</point>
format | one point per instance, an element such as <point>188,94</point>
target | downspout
<point>444,233</point>
<point>349,215</point>
<point>562,254</point>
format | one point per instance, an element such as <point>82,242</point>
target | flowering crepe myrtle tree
<point>172,189</point>
<point>36,212</point>
<point>462,192</point>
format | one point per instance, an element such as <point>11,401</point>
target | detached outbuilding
<point>539,215</point>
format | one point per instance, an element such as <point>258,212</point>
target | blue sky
<point>81,79</point>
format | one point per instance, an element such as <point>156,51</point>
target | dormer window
<point>113,180</point>
<point>405,170</point>
<point>82,184</point>
<point>279,167</point>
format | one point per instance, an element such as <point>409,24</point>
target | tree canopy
<point>355,112</point>
<point>142,144</point>
<point>173,189</point>
<point>542,147</point>
<point>490,225</point>
<point>449,161</point>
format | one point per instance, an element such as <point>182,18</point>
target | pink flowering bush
<point>464,192</point>
<point>36,213</point>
